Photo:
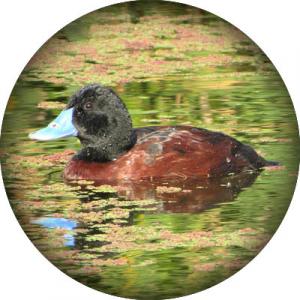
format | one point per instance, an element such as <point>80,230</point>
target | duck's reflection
<point>191,195</point>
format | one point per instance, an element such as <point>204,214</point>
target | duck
<point>112,150</point>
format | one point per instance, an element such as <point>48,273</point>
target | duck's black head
<point>99,119</point>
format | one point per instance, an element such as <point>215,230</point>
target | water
<point>154,242</point>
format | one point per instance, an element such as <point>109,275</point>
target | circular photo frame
<point>149,150</point>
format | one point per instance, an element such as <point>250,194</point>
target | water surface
<point>172,65</point>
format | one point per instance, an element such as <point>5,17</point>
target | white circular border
<point>25,26</point>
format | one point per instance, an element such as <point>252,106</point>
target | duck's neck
<point>107,148</point>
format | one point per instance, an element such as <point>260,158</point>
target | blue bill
<point>61,127</point>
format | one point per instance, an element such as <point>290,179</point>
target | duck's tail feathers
<point>256,160</point>
<point>270,163</point>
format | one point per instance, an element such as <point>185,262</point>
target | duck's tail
<point>270,163</point>
<point>256,160</point>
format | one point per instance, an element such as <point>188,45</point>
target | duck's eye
<point>88,106</point>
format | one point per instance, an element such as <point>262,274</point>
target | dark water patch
<point>46,86</point>
<point>90,61</point>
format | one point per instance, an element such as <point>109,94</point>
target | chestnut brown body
<point>171,152</point>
